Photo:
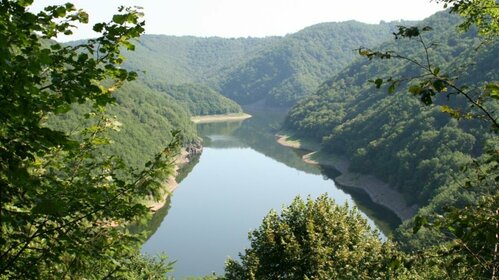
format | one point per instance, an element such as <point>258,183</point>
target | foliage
<point>467,227</point>
<point>314,240</point>
<point>483,14</point>
<point>296,64</point>
<point>413,148</point>
<point>65,206</point>
<point>190,60</point>
<point>279,70</point>
<point>190,69</point>
<point>200,100</point>
<point>146,117</point>
<point>431,81</point>
<point>456,231</point>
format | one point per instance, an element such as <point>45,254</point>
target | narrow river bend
<point>241,175</point>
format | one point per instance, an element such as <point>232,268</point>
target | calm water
<point>241,174</point>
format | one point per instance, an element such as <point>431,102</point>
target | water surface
<point>241,175</point>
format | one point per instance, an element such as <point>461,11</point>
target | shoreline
<point>171,184</point>
<point>220,118</point>
<point>379,191</point>
<point>185,155</point>
<point>183,158</point>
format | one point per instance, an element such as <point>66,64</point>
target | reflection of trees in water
<point>153,224</point>
<point>383,217</point>
<point>220,134</point>
<point>187,168</point>
<point>157,218</point>
<point>259,132</point>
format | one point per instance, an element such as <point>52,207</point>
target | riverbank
<point>379,191</point>
<point>185,156</point>
<point>220,118</point>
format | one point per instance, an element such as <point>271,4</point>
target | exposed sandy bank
<point>379,191</point>
<point>220,118</point>
<point>171,184</point>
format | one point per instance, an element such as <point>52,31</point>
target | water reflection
<point>259,134</point>
<point>241,175</point>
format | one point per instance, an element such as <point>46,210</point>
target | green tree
<point>314,240</point>
<point>432,81</point>
<point>303,243</point>
<point>484,14</point>
<point>64,207</point>
<point>468,234</point>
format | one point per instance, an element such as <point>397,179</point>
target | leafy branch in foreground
<point>470,248</point>
<point>64,206</point>
<point>431,83</point>
<point>484,14</point>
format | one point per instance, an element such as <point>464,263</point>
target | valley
<point>344,150</point>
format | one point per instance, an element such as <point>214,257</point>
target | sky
<point>247,18</point>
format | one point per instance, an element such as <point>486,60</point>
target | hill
<point>198,99</point>
<point>418,150</point>
<point>296,64</point>
<point>147,117</point>
<point>278,70</point>
<point>192,60</point>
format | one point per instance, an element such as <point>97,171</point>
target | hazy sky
<point>243,18</point>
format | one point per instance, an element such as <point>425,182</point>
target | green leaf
<point>119,19</point>
<point>44,56</point>
<point>64,108</point>
<point>50,206</point>
<point>129,46</point>
<point>439,85</point>
<point>25,3</point>
<point>60,11</point>
<point>83,17</point>
<point>98,27</point>
<point>492,90</point>
<point>393,86</point>
<point>426,96</point>
<point>419,221</point>
<point>455,113</point>
<point>415,89</point>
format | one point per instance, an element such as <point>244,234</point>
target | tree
<point>470,246</point>
<point>318,240</point>
<point>483,14</point>
<point>64,207</point>
<point>314,240</point>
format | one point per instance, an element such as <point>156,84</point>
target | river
<point>241,175</point>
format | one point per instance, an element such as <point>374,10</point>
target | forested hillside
<point>296,64</point>
<point>68,200</point>
<point>180,76</point>
<point>279,70</point>
<point>168,91</point>
<point>198,99</point>
<point>417,150</point>
<point>195,60</point>
<point>145,117</point>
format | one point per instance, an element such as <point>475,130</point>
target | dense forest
<point>88,134</point>
<point>179,77</point>
<point>145,121</point>
<point>279,70</point>
<point>416,149</point>
<point>296,64</point>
